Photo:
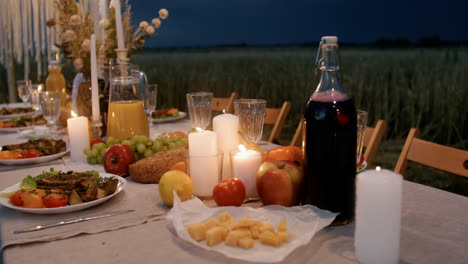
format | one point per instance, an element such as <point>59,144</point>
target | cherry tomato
<point>95,141</point>
<point>361,160</point>
<point>16,198</point>
<point>117,159</point>
<point>31,153</point>
<point>55,199</point>
<point>229,192</point>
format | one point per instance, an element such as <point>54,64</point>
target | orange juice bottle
<point>126,119</point>
<point>55,80</point>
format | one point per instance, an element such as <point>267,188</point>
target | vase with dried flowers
<point>74,31</point>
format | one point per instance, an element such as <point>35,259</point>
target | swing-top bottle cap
<point>330,40</point>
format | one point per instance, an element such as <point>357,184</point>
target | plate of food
<point>11,112</point>
<point>167,115</point>
<point>33,151</point>
<point>361,167</point>
<point>21,123</point>
<point>56,192</point>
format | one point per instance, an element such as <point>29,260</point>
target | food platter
<point>17,162</point>
<point>170,119</point>
<point>69,208</point>
<point>14,129</point>
<point>362,167</point>
<point>33,113</point>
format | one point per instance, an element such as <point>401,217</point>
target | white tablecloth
<point>433,230</point>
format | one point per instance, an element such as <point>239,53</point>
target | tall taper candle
<point>118,23</point>
<point>94,81</point>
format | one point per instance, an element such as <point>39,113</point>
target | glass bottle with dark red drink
<point>329,140</point>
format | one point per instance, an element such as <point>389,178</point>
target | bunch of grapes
<point>141,146</point>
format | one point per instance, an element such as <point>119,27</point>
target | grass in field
<point>424,88</point>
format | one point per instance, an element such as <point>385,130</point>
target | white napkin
<point>302,221</point>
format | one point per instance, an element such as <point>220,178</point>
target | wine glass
<point>251,113</point>
<point>50,104</point>
<point>23,89</point>
<point>151,94</point>
<point>199,106</point>
<point>34,91</point>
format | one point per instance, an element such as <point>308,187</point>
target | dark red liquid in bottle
<point>330,157</point>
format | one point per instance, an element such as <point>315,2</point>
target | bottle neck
<point>330,85</point>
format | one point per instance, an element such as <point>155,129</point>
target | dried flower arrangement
<point>75,30</point>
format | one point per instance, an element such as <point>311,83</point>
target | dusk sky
<point>269,22</point>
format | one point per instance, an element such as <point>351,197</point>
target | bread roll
<point>150,170</point>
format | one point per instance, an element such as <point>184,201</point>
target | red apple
<point>278,182</point>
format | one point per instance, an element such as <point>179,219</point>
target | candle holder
<point>96,126</point>
<point>122,57</point>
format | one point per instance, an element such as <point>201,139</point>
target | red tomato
<point>16,199</point>
<point>55,199</point>
<point>229,192</point>
<point>95,141</point>
<point>361,160</point>
<point>31,153</point>
<point>117,159</point>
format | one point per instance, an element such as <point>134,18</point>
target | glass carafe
<point>126,116</point>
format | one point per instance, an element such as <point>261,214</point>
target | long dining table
<point>433,226</point>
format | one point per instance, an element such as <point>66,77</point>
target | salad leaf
<point>30,182</point>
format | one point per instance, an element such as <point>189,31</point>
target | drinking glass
<point>35,90</point>
<point>50,104</point>
<point>361,127</point>
<point>151,95</point>
<point>199,107</point>
<point>23,89</point>
<point>251,113</point>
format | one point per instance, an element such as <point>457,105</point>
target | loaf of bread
<point>150,170</point>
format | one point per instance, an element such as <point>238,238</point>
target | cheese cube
<point>216,235</point>
<point>282,227</point>
<point>246,242</point>
<point>270,238</point>
<point>197,231</point>
<point>210,223</point>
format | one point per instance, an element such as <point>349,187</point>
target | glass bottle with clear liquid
<point>329,140</point>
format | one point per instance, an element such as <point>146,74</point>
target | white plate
<point>362,167</point>
<point>15,129</point>
<point>65,209</point>
<point>33,160</point>
<point>6,117</point>
<point>169,119</point>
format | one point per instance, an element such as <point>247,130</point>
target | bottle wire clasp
<point>318,59</point>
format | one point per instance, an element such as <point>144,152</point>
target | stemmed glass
<point>151,95</point>
<point>35,90</point>
<point>50,104</point>
<point>23,89</point>
<point>251,113</point>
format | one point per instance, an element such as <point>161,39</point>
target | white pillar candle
<point>226,127</point>
<point>118,23</point>
<point>94,81</point>
<point>78,136</point>
<point>203,159</point>
<point>245,164</point>
<point>378,216</point>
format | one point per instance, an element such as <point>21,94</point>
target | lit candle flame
<point>73,114</point>
<point>224,111</point>
<point>378,168</point>
<point>242,148</point>
<point>199,129</point>
<point>39,88</point>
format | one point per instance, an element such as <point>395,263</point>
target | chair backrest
<point>372,138</point>
<point>433,155</point>
<point>224,103</point>
<point>276,117</point>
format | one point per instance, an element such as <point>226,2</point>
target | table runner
<point>143,198</point>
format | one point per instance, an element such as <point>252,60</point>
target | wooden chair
<point>433,155</point>
<point>224,103</point>
<point>372,138</point>
<point>277,118</point>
